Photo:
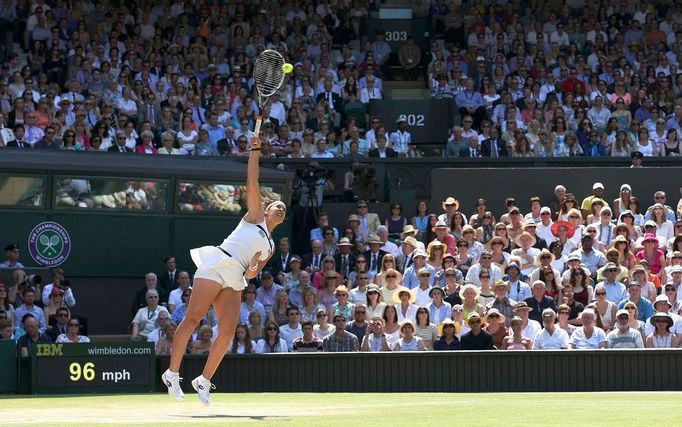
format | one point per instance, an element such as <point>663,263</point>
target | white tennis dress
<point>227,263</point>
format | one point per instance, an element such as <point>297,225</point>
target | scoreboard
<point>428,120</point>
<point>93,368</point>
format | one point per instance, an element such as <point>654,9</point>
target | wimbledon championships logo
<point>49,244</point>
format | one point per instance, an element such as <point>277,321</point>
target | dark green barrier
<point>93,368</point>
<point>461,371</point>
<point>8,361</point>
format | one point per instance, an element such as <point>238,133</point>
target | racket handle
<point>256,129</point>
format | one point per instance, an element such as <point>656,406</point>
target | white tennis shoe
<point>203,387</point>
<point>172,381</point>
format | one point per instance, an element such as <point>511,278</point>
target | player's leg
<point>226,306</point>
<point>204,292</point>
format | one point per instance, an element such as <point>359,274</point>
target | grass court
<point>346,409</point>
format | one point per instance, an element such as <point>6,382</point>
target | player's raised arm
<point>254,203</point>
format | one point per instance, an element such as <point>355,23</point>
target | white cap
<point>597,185</point>
<point>545,209</point>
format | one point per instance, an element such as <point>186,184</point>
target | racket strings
<point>268,74</point>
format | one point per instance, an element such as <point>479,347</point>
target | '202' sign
<point>413,119</point>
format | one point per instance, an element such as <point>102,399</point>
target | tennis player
<point>221,275</point>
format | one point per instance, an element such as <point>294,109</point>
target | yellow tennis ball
<point>287,68</point>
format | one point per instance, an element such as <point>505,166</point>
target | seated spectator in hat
<point>358,325</point>
<point>664,305</point>
<point>436,251</point>
<point>457,315</point>
<point>165,344</point>
<point>307,342</point>
<point>612,256</point>
<point>661,325</point>
<point>649,290</point>
<point>12,253</point>
<point>675,265</point>
<point>485,262</point>
<point>327,270</point>
<point>448,340</point>
<point>544,261</point>
<point>476,338</point>
<point>28,307</point>
<point>623,336</point>
<point>410,277</point>
<point>469,294</point>
<point>496,246</point>
<point>588,336</point>
<point>145,318</point>
<point>529,327</point>
<point>290,280</point>
<point>550,337</point>
<point>518,288</point>
<point>644,307</point>
<point>32,335</point>
<point>202,345</point>
<point>443,235</point>
<point>449,263</point>
<point>374,306</point>
<point>161,321</point>
<point>292,329</point>
<point>515,340</point>
<point>180,312</point>
<point>438,308</point>
<point>652,255</point>
<point>375,338</point>
<point>344,258</point>
<point>495,326</point>
<point>502,303</point>
<point>526,252</point>
<point>615,291</point>
<point>342,305</point>
<point>422,291</point>
<point>405,305</point>
<point>272,342</point>
<point>340,340</point>
<point>474,247</point>
<point>408,340</point>
<point>60,323</point>
<point>539,301</point>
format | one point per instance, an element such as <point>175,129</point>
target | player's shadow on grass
<point>224,416</point>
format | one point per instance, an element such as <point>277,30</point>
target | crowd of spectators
<point>590,272</point>
<point>534,78</point>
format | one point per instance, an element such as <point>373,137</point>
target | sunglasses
<point>600,293</point>
<point>271,329</point>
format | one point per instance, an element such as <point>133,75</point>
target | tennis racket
<point>268,75</point>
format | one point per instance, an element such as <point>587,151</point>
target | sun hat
<point>649,237</point>
<point>400,290</point>
<point>448,321</point>
<point>374,239</point>
<point>500,284</point>
<point>569,227</point>
<point>529,223</point>
<point>352,217</point>
<point>544,252</point>
<point>467,287</point>
<point>548,312</point>
<point>407,322</point>
<point>622,312</point>
<point>661,315</point>
<point>344,241</point>
<point>409,230</point>
<point>409,240</point>
<point>372,289</point>
<point>523,235</point>
<point>440,224</point>
<point>434,244</point>
<point>521,305</point>
<point>663,298</point>
<point>434,289</point>
<point>472,316</point>
<point>494,240</point>
<point>451,201</point>
<point>331,274</point>
<point>491,312</point>
<point>512,265</point>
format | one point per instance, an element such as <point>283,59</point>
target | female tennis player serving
<point>221,275</point>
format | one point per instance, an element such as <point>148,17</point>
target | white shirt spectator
<point>554,341</point>
<point>289,334</point>
<point>531,331</point>
<point>400,141</point>
<point>175,297</point>
<point>280,347</point>
<point>579,340</point>
<point>68,295</point>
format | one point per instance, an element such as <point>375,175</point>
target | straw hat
<point>491,312</point>
<point>448,321</point>
<point>409,230</point>
<point>523,235</point>
<point>398,275</point>
<point>374,239</point>
<point>344,241</point>
<point>472,316</point>
<point>521,305</point>
<point>544,252</point>
<point>407,322</point>
<point>500,283</point>
<point>400,290</point>
<point>451,201</point>
<point>467,287</point>
<point>439,224</point>
<point>491,242</point>
<point>352,217</point>
<point>410,240</point>
<point>434,244</point>
<point>568,225</point>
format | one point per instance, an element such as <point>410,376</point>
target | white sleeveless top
<point>648,150</point>
<point>247,239</point>
<point>240,246</point>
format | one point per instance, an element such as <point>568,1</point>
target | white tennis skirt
<point>214,264</point>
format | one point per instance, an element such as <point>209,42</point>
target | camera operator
<point>60,282</point>
<point>20,282</point>
<point>312,181</point>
